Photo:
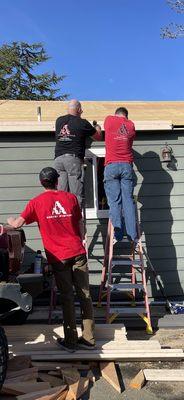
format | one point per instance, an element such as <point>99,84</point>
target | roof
<point>156,114</point>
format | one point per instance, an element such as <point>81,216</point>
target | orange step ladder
<point>112,282</point>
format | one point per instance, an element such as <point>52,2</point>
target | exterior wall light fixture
<point>39,113</point>
<point>166,153</point>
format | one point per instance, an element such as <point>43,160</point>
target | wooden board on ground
<point>53,380</point>
<point>108,371</point>
<point>77,389</point>
<point>21,372</point>
<point>161,355</point>
<point>60,395</point>
<point>71,375</point>
<point>164,375</point>
<point>17,347</point>
<point>22,388</point>
<point>50,366</point>
<point>39,394</point>
<point>115,351</point>
<point>138,381</point>
<point>38,332</point>
<point>24,378</point>
<point>19,363</point>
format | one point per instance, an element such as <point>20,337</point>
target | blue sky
<point>109,50</point>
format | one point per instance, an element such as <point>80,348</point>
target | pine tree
<point>18,79</point>
<point>174,31</point>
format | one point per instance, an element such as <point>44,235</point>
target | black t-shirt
<point>71,134</point>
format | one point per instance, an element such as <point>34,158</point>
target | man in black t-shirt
<point>71,134</point>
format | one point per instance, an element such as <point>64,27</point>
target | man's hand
<point>16,222</point>
<point>10,220</point>
<point>98,135</point>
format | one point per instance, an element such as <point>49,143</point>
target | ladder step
<point>120,274</point>
<point>126,286</point>
<point>123,256</point>
<point>127,310</point>
<point>125,262</point>
<point>124,240</point>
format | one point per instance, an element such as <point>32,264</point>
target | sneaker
<point>62,344</point>
<point>135,245</point>
<point>84,344</point>
<point>118,234</point>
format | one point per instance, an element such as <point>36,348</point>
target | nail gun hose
<point>155,274</point>
<point>168,304</point>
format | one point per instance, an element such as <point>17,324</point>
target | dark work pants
<point>68,274</point>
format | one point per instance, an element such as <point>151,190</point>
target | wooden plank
<point>77,389</point>
<point>60,395</point>
<point>38,394</point>
<point>115,351</point>
<point>164,375</point>
<point>119,356</point>
<point>53,380</point>
<point>21,372</point>
<point>138,381</point>
<point>22,388</point>
<point>70,375</point>
<point>19,363</point>
<point>100,344</point>
<point>33,376</point>
<point>30,333</point>
<point>49,366</point>
<point>55,373</point>
<point>108,371</point>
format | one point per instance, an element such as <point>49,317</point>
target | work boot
<point>84,344</point>
<point>65,346</point>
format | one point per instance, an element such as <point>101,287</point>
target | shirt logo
<point>65,131</point>
<point>123,130</point>
<point>58,209</point>
<point>65,134</point>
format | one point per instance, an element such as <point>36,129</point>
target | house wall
<point>160,200</point>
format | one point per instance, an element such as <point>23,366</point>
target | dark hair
<point>48,177</point>
<point>48,185</point>
<point>122,110</point>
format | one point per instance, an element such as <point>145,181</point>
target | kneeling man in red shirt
<point>59,219</point>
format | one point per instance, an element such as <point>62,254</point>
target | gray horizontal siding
<point>151,202</point>
<point>28,166</point>
<point>160,194</point>
<point>177,189</point>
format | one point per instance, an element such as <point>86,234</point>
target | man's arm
<point>94,131</point>
<point>16,222</point>
<point>98,134</point>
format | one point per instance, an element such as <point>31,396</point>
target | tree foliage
<point>173,31</point>
<point>18,79</point>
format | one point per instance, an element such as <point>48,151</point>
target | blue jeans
<point>118,184</point>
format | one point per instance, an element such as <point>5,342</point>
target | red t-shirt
<point>57,214</point>
<point>119,136</point>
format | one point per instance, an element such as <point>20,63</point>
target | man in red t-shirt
<point>118,174</point>
<point>59,219</point>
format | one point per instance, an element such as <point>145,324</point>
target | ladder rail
<point>109,280</point>
<point>105,265</point>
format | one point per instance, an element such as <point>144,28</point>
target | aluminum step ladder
<point>113,283</point>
